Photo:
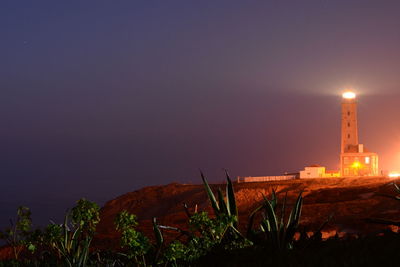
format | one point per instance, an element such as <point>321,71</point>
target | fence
<point>250,179</point>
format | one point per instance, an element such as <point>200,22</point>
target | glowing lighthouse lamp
<point>349,95</point>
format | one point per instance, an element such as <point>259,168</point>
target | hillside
<point>351,200</point>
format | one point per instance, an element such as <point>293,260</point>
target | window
<point>346,171</point>
<point>348,113</point>
<point>348,124</point>
<point>348,136</point>
<point>346,160</point>
<point>367,160</point>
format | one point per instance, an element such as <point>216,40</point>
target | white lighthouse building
<point>355,159</point>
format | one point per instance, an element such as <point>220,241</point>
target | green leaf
<point>211,195</point>
<point>222,203</point>
<point>274,199</point>
<point>65,231</point>
<point>31,247</point>
<point>251,220</point>
<point>283,210</point>
<point>294,218</point>
<point>157,233</point>
<point>272,221</point>
<point>231,199</point>
<point>125,220</point>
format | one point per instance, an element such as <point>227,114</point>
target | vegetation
<point>211,239</point>
<point>17,235</point>
<point>275,233</point>
<point>136,244</point>
<point>218,233</point>
<point>76,233</point>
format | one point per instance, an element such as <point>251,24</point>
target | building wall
<point>312,172</point>
<point>332,174</point>
<point>317,172</point>
<point>359,164</point>
<point>354,159</point>
<point>249,179</point>
<point>349,125</point>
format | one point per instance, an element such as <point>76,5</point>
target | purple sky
<point>99,98</point>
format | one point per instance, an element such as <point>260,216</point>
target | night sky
<point>100,98</point>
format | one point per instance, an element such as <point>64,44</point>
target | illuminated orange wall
<point>356,164</point>
<point>349,125</point>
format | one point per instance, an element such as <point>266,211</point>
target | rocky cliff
<point>350,200</point>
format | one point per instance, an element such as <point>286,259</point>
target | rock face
<point>350,200</point>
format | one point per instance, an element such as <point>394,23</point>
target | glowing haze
<point>98,98</point>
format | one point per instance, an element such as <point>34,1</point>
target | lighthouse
<point>349,122</point>
<point>355,159</point>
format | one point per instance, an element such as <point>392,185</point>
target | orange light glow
<point>356,165</point>
<point>394,175</point>
<point>349,95</point>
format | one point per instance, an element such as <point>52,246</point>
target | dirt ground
<point>349,200</point>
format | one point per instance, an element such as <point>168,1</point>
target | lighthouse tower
<point>349,122</point>
<point>355,159</point>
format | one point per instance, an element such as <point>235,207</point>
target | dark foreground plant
<point>222,207</point>
<point>135,243</point>
<point>17,235</point>
<point>275,232</point>
<point>207,233</point>
<point>70,241</point>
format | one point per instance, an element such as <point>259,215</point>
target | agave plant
<point>72,239</point>
<point>226,213</point>
<point>222,207</point>
<point>276,233</point>
<point>208,233</point>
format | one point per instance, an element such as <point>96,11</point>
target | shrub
<point>275,232</point>
<point>135,243</point>
<point>17,235</point>
<point>71,240</point>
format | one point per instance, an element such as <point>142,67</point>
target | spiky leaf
<point>251,220</point>
<point>230,196</point>
<point>293,220</point>
<point>221,202</point>
<point>274,199</point>
<point>397,188</point>
<point>157,233</point>
<point>211,195</point>
<point>273,223</point>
